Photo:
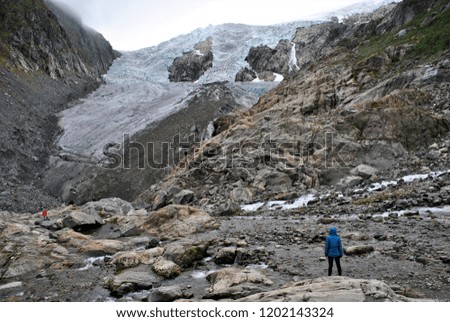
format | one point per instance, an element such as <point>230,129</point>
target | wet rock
<point>166,268</point>
<point>330,289</point>
<point>81,221</point>
<point>178,221</point>
<point>133,280</point>
<point>236,283</point>
<point>124,260</point>
<point>358,250</point>
<point>225,255</point>
<point>169,294</point>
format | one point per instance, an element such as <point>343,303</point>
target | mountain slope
<point>41,69</point>
<point>346,107</point>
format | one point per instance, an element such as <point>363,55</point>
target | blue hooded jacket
<point>333,245</point>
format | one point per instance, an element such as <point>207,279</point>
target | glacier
<point>137,91</point>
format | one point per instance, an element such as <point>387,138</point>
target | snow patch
<point>278,78</point>
<point>283,204</point>
<point>293,67</point>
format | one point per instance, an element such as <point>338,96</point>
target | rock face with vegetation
<point>47,58</point>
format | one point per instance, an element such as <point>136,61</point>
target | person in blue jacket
<point>334,251</point>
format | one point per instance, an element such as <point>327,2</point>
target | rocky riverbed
<point>395,249</point>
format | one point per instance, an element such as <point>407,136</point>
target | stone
<point>226,255</point>
<point>81,221</point>
<point>183,197</point>
<point>166,268</point>
<point>330,289</point>
<point>434,154</point>
<point>186,253</point>
<point>236,283</point>
<point>227,208</point>
<point>159,200</point>
<point>349,181</point>
<point>168,294</point>
<point>364,171</point>
<point>178,221</point>
<point>133,280</point>
<point>109,207</point>
<point>102,247</point>
<point>358,250</point>
<point>124,260</point>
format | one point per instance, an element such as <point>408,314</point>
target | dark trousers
<point>330,265</point>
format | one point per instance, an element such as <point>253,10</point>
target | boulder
<point>225,255</point>
<point>186,253</point>
<point>227,208</point>
<point>133,280</point>
<point>330,289</point>
<point>236,283</point>
<point>124,260</point>
<point>108,207</point>
<point>183,197</point>
<point>166,268</point>
<point>349,181</point>
<point>168,294</point>
<point>102,247</point>
<point>159,200</point>
<point>358,250</point>
<point>364,171</point>
<point>176,221</point>
<point>81,221</point>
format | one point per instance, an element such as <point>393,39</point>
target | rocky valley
<point>211,167</point>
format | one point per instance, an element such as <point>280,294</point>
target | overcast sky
<point>135,24</point>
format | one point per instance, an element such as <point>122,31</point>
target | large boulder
<point>109,207</point>
<point>178,221</point>
<point>236,283</point>
<point>124,260</point>
<point>133,280</point>
<point>363,171</point>
<point>186,253</point>
<point>81,221</point>
<point>166,268</point>
<point>330,289</point>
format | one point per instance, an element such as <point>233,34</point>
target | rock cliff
<point>43,65</point>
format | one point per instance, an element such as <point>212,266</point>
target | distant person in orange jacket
<point>45,214</point>
<point>334,251</point>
